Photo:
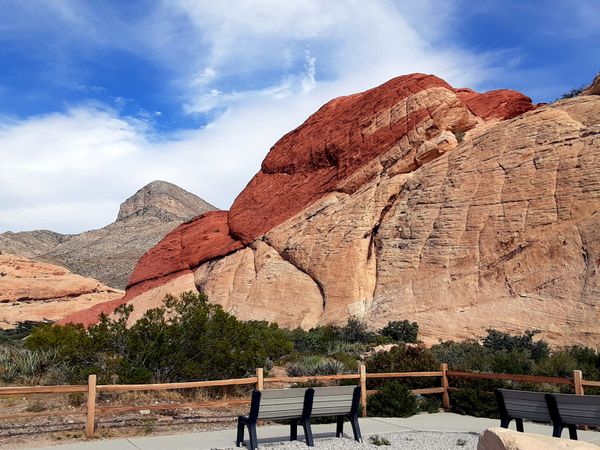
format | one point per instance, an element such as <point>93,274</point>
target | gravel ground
<point>410,440</point>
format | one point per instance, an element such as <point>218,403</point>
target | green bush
<point>465,356</point>
<point>394,399</point>
<point>186,339</point>
<point>429,404</point>
<point>498,340</point>
<point>404,358</point>
<point>329,339</point>
<point>475,398</point>
<point>356,331</point>
<point>401,331</point>
<point>316,340</point>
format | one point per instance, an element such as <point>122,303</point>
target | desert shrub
<point>517,361</point>
<point>498,340</point>
<point>316,366</point>
<point>16,335</point>
<point>573,92</point>
<point>401,331</point>
<point>379,440</point>
<point>316,340</point>
<point>475,399</point>
<point>429,404</point>
<point>404,358</point>
<point>467,355</point>
<point>356,331</point>
<point>186,339</point>
<point>330,339</point>
<point>394,399</point>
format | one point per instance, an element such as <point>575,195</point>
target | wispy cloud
<point>253,69</point>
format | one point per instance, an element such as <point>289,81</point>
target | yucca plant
<point>316,366</point>
<point>24,365</point>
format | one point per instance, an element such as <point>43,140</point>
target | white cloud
<point>266,64</point>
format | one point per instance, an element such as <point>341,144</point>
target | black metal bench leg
<point>573,432</point>
<point>293,430</point>
<point>253,440</point>
<point>504,422</point>
<point>240,433</point>
<point>519,423</point>
<point>308,432</point>
<point>557,430</point>
<point>339,428</point>
<point>356,428</point>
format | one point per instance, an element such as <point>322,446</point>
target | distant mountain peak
<point>164,200</point>
<point>143,220</point>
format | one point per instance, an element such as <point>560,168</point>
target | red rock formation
<point>351,213</point>
<point>204,238</point>
<point>500,104</point>
<point>330,146</point>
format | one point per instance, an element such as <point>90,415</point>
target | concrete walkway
<point>446,422</point>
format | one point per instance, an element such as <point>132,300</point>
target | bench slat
<point>334,390</point>
<point>282,393</point>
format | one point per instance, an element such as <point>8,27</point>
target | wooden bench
<point>519,405</point>
<point>298,404</point>
<point>569,410</point>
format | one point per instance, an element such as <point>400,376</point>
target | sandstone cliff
<point>109,254</point>
<point>31,290</point>
<point>413,200</point>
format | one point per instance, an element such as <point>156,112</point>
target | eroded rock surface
<point>30,290</point>
<point>505,439</point>
<point>461,211</point>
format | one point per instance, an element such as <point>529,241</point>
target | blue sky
<point>99,98</point>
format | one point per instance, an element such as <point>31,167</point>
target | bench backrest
<point>523,404</point>
<point>278,403</point>
<point>570,409</point>
<point>335,401</point>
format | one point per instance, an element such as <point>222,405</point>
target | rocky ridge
<point>413,200</point>
<point>38,291</point>
<point>109,254</point>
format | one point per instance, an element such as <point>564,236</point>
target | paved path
<point>447,422</point>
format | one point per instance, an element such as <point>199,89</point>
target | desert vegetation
<point>191,339</point>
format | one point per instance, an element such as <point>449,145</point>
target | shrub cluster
<point>190,339</point>
<point>187,339</point>
<point>394,399</point>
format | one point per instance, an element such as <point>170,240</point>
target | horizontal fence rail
<point>92,389</point>
<point>510,377</point>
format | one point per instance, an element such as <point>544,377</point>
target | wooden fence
<point>259,381</point>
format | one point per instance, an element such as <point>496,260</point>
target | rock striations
<point>109,254</point>
<point>31,290</point>
<point>413,200</point>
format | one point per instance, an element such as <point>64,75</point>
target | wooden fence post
<point>577,376</point>
<point>260,380</point>
<point>91,407</point>
<point>445,396</point>
<point>362,371</point>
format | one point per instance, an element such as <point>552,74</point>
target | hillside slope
<point>109,254</point>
